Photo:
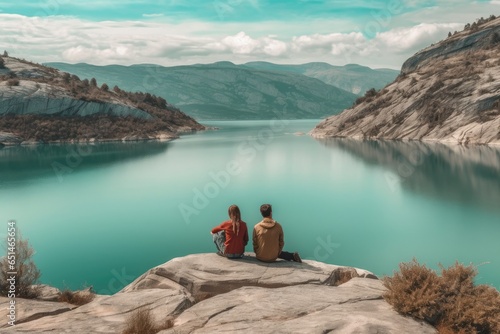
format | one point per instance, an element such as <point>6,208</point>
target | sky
<point>378,34</point>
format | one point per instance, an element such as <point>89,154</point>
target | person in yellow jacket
<point>268,239</point>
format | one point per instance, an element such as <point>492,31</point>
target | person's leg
<point>219,240</point>
<point>290,256</point>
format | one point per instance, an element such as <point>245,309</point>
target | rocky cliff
<point>205,293</point>
<point>42,96</point>
<point>449,92</point>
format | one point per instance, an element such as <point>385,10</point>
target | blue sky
<point>173,32</point>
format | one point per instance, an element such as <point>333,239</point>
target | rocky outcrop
<point>206,293</point>
<point>8,138</point>
<point>41,104</point>
<point>466,41</point>
<point>448,93</point>
<point>31,98</point>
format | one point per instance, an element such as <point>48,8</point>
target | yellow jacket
<point>268,240</point>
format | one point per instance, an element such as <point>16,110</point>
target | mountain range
<point>258,90</point>
<point>353,78</point>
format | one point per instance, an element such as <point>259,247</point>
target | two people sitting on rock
<point>268,237</point>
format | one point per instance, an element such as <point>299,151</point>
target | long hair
<point>235,215</point>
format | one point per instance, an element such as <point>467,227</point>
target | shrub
<point>142,322</point>
<point>76,297</point>
<point>27,273</point>
<point>369,95</point>
<point>2,63</point>
<point>13,82</point>
<point>451,301</point>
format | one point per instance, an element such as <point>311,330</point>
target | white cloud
<point>156,39</point>
<point>409,39</point>
<point>241,43</point>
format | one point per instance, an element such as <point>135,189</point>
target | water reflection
<point>468,175</point>
<point>21,164</point>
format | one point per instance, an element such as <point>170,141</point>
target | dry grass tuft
<point>343,275</point>
<point>449,301</point>
<point>76,297</point>
<point>142,322</point>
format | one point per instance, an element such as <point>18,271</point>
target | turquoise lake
<point>101,215</point>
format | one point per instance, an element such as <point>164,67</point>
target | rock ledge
<point>206,293</point>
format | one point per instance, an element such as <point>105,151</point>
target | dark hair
<point>234,211</point>
<point>266,210</point>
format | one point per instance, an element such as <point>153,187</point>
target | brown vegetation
<point>13,82</point>
<point>449,301</point>
<point>27,273</point>
<point>72,128</point>
<point>76,297</point>
<point>368,97</point>
<point>142,322</point>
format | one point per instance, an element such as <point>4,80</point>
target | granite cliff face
<point>205,293</point>
<point>31,93</point>
<point>449,92</point>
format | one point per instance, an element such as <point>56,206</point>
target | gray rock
<point>463,42</point>
<point>448,93</point>
<point>30,310</point>
<point>207,275</point>
<point>105,314</point>
<point>355,307</point>
<point>46,292</point>
<point>206,293</point>
<point>7,138</point>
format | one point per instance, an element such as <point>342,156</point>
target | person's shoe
<point>296,257</point>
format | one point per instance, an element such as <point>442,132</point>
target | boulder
<point>207,293</point>
<point>355,307</point>
<point>207,275</point>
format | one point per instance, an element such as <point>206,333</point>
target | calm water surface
<point>102,215</point>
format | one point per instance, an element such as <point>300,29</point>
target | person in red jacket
<point>231,236</point>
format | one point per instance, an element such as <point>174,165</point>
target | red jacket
<point>235,244</point>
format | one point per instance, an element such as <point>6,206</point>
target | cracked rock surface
<point>206,293</point>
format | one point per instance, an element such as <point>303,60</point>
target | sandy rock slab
<point>107,314</point>
<point>354,307</point>
<point>207,275</point>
